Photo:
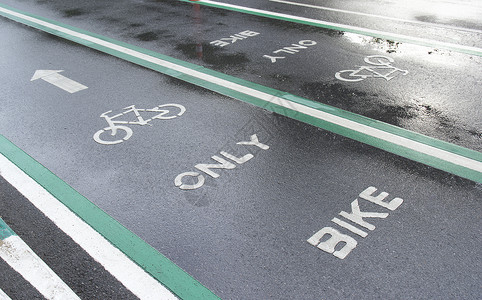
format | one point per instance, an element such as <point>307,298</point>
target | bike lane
<point>438,97</point>
<point>435,21</point>
<point>243,234</point>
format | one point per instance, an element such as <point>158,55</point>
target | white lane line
<point>352,125</point>
<point>112,259</point>
<point>378,16</point>
<point>22,259</point>
<point>4,296</point>
<point>355,126</point>
<point>354,29</point>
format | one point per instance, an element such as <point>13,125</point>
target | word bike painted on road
<point>233,38</point>
<point>380,67</point>
<point>223,164</point>
<point>166,112</point>
<point>356,216</point>
<point>293,49</point>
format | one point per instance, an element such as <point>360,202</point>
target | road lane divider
<point>442,155</point>
<point>139,267</point>
<point>378,16</point>
<point>343,27</point>
<point>20,257</point>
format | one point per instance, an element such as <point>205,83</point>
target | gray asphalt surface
<point>449,21</point>
<point>244,234</point>
<point>437,99</point>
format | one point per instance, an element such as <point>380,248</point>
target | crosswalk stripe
<point>4,296</point>
<point>112,259</point>
<point>15,252</point>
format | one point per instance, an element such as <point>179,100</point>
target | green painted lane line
<point>148,258</point>
<point>5,231</point>
<point>445,156</point>
<point>342,27</point>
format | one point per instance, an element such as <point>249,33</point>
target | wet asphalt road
<point>243,235</point>
<point>438,99</point>
<point>450,21</point>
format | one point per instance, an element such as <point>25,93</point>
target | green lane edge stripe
<point>5,231</point>
<point>152,261</point>
<point>352,29</point>
<point>408,153</point>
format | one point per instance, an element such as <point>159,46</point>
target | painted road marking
<point>356,217</point>
<point>179,111</point>
<point>53,77</point>
<point>222,164</point>
<point>378,16</point>
<point>233,38</point>
<point>342,27</point>
<point>380,67</point>
<point>112,259</point>
<point>445,156</point>
<point>96,231</point>
<point>292,49</point>
<point>15,252</point>
<point>4,296</point>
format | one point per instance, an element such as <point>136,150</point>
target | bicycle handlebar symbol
<point>164,114</point>
<point>383,69</point>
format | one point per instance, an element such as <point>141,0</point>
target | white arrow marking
<point>53,77</point>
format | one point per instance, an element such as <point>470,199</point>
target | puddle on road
<point>213,55</point>
<point>381,44</point>
<point>367,104</point>
<point>73,12</point>
<point>153,35</point>
<point>147,36</point>
<point>407,114</point>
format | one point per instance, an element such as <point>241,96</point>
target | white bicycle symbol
<point>114,128</point>
<point>383,69</point>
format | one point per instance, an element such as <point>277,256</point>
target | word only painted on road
<point>233,38</point>
<point>379,67</point>
<point>223,164</point>
<point>356,216</point>
<point>163,112</point>
<point>293,49</point>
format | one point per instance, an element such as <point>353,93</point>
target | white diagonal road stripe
<point>15,252</point>
<point>132,276</point>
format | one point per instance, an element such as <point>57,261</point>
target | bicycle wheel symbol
<point>380,66</point>
<point>120,133</point>
<point>101,138</point>
<point>379,60</point>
